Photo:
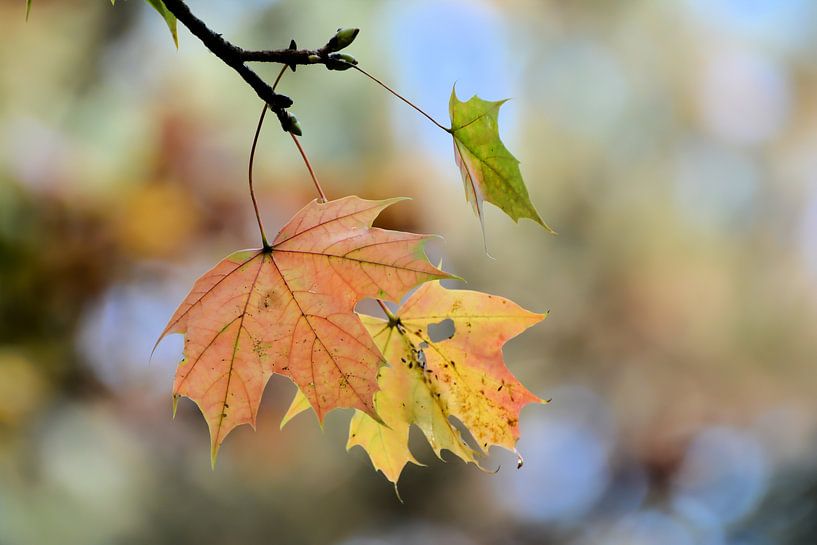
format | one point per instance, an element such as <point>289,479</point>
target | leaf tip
<point>540,316</point>
<point>394,200</point>
<point>213,456</point>
<point>550,230</point>
<point>155,346</point>
<point>451,276</point>
<point>397,493</point>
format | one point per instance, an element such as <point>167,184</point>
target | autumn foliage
<point>288,307</point>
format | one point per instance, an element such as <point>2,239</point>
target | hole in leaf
<point>441,330</point>
<point>421,357</point>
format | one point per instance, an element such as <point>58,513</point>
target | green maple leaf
<point>489,171</point>
<point>169,18</point>
<point>159,6</point>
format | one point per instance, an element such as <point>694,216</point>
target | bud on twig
<point>289,122</point>
<point>340,61</point>
<point>343,38</point>
<point>294,127</point>
<point>293,46</point>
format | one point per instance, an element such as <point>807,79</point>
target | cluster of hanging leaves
<point>288,308</point>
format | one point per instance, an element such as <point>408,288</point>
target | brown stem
<point>401,97</point>
<point>236,58</point>
<point>252,191</point>
<point>267,247</point>
<point>278,77</point>
<point>392,318</point>
<point>230,54</point>
<point>389,314</point>
<point>309,168</point>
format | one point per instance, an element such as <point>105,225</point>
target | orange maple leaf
<point>289,310</point>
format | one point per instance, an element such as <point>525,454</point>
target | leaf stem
<point>279,76</point>
<point>401,97</point>
<point>266,244</point>
<point>392,318</point>
<point>309,168</point>
<point>249,172</point>
<point>301,149</point>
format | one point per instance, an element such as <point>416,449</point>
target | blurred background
<point>673,145</point>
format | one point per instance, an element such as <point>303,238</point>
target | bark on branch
<point>236,58</point>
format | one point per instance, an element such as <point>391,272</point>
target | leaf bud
<point>289,123</point>
<point>293,46</point>
<point>343,38</point>
<point>340,61</point>
<point>292,125</point>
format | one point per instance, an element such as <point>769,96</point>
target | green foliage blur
<point>672,145</point>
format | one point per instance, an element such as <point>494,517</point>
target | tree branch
<point>227,52</point>
<point>235,57</point>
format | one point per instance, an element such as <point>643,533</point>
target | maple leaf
<point>289,310</point>
<point>299,404</point>
<point>160,8</point>
<point>427,382</point>
<point>489,171</point>
<point>169,18</point>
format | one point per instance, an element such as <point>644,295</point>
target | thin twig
<point>236,58</point>
<point>401,97</point>
<point>227,52</point>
